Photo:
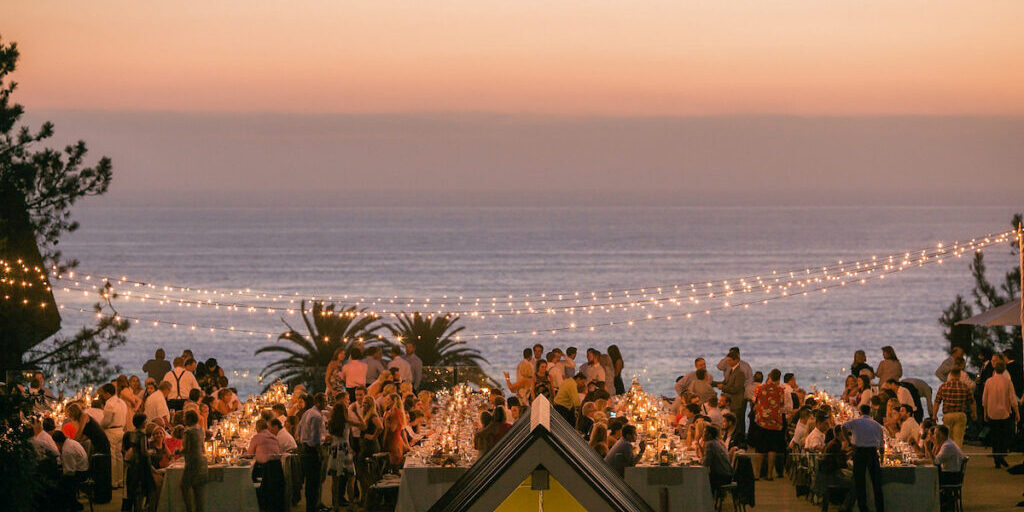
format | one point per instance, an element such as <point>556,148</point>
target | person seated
<point>733,439</point>
<point>804,424</point>
<point>716,459</point>
<point>599,439</point>
<point>621,455</point>
<point>74,469</point>
<point>815,439</point>
<point>585,422</point>
<point>908,430</point>
<point>947,455</point>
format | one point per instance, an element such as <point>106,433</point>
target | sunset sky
<point>321,73</point>
<point>579,57</point>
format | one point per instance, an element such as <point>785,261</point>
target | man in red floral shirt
<point>770,438</point>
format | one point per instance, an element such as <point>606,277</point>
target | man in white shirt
<point>814,441</point>
<point>592,369</point>
<point>285,439</point>
<point>403,366</point>
<point>570,362</point>
<point>156,405</point>
<point>803,427</point>
<point>947,455</point>
<point>74,464</point>
<point>182,383</point>
<point>354,371</point>
<point>902,393</point>
<point>115,417</point>
<point>683,384</point>
<point>41,440</point>
<point>556,371</point>
<point>910,431</point>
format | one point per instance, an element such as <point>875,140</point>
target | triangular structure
<point>541,451</point>
<point>1007,314</point>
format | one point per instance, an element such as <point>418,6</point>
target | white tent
<point>1007,314</point>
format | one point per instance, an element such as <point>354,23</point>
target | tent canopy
<point>1007,314</point>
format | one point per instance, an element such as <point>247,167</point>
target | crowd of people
<point>770,416</point>
<point>371,412</point>
<point>133,429</point>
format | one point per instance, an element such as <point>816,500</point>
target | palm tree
<point>329,328</point>
<point>438,345</point>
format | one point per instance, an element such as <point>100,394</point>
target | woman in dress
<point>135,384</point>
<point>617,365</point>
<point>860,364</point>
<point>369,442</point>
<point>339,463</point>
<point>124,390</point>
<point>139,485</point>
<point>889,367</point>
<point>541,380</point>
<point>193,477</point>
<point>394,442</point>
<point>609,373</point>
<point>333,379</point>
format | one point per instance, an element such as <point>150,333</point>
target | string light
<point>922,259</point>
<point>710,290</point>
<point>543,298</point>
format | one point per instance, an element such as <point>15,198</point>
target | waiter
<point>115,417</point>
<point>868,448</point>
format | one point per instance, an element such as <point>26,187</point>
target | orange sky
<point>806,57</point>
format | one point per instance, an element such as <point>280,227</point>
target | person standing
<point>139,484</point>
<point>567,400</point>
<point>734,388</point>
<point>99,463</point>
<point>769,402</point>
<point>570,362</point>
<point>311,436</point>
<point>889,368</point>
<point>157,367</point>
<point>266,452</point>
<point>942,372</point>
<point>617,366</point>
<point>115,418</point>
<point>182,383</point>
<point>592,368</point>
<point>193,477</point>
<point>415,364</point>
<point>956,401</point>
<point>748,379</point>
<point>1001,411</point>
<point>398,362</point>
<point>353,373</point>
<point>374,365</point>
<point>868,448</point>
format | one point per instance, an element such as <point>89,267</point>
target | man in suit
<point>734,387</point>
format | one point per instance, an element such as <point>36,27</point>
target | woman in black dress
<point>139,482</point>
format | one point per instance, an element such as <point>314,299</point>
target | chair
<point>951,493</point>
<point>88,487</point>
<point>729,489</point>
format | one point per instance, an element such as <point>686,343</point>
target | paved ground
<point>986,489</point>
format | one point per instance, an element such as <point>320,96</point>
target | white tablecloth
<point>689,488</point>
<point>421,486</point>
<point>911,489</point>
<point>228,489</point>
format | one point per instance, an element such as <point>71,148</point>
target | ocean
<point>494,252</point>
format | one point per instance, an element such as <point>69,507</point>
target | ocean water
<point>495,252</point>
